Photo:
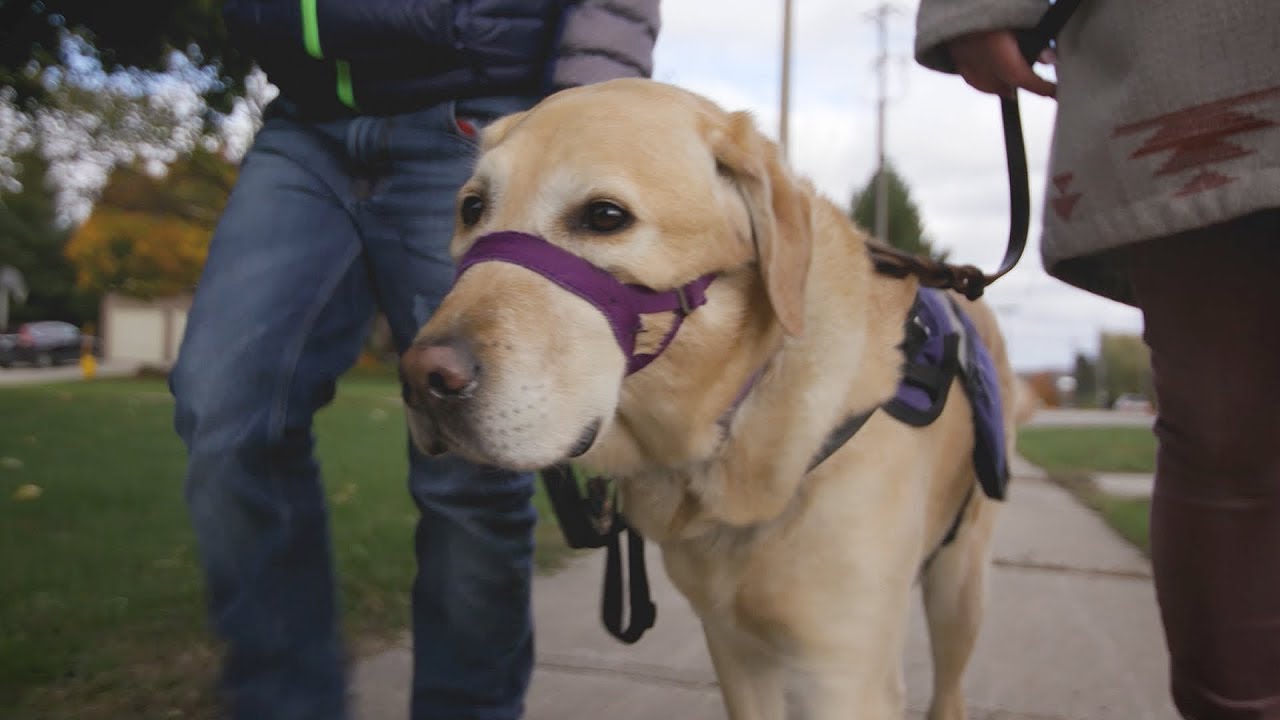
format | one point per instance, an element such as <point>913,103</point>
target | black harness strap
<point>841,435</point>
<point>914,338</point>
<point>952,531</point>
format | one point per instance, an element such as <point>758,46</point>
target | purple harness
<point>622,304</point>
<point>942,344</point>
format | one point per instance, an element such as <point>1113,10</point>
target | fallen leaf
<point>343,496</point>
<point>28,491</point>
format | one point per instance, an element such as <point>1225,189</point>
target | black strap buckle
<point>585,522</point>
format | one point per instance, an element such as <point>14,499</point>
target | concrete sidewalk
<point>1072,633</point>
<point>65,373</point>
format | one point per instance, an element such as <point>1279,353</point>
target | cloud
<point>945,138</point>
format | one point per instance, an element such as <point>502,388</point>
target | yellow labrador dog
<point>645,288</point>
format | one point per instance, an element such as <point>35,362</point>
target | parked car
<point>1132,402</point>
<point>7,343</point>
<point>43,344</point>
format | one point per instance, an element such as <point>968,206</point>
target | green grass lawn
<point>1088,450</point>
<point>1129,517</point>
<point>1070,455</point>
<point>101,602</point>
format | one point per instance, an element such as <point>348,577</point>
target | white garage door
<point>137,334</point>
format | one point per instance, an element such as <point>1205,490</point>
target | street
<point>1081,417</point>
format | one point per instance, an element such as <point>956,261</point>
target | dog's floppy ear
<point>779,207</point>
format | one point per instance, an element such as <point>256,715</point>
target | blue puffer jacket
<point>389,56</point>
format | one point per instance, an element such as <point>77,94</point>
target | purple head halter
<point>621,304</point>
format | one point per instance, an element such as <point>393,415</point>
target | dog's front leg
<point>852,689</point>
<point>751,677</point>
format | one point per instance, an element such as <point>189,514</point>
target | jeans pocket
<point>464,126</point>
<point>461,126</point>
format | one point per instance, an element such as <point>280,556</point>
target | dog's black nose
<point>444,368</point>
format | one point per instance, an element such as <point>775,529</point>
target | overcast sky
<point>944,137</point>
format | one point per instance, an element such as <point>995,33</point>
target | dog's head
<point>597,192</point>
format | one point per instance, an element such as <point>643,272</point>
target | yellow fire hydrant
<point>88,363</point>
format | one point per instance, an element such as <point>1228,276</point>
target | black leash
<point>967,279</point>
<point>1031,43</point>
<point>592,521</point>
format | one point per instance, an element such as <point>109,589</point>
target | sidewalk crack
<point>1144,575</point>
<point>649,674</point>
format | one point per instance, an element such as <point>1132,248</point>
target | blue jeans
<point>328,220</point>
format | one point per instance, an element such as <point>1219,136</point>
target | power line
<point>880,16</point>
<point>784,110</point>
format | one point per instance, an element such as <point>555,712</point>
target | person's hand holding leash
<point>991,62</point>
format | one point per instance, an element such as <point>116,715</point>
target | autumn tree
<point>1044,386</point>
<point>149,233</point>
<point>54,162</point>
<point>906,230</point>
<point>91,91</point>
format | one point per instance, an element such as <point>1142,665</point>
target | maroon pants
<point>1211,304</point>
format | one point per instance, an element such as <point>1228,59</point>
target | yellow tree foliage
<point>148,236</point>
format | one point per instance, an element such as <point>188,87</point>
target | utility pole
<point>881,17</point>
<point>785,102</point>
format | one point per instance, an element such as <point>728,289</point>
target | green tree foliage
<point>1086,376</point>
<point>32,241</point>
<point>141,34</point>
<point>1125,366</point>
<point>906,230</point>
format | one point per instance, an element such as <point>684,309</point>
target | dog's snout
<point>446,369</point>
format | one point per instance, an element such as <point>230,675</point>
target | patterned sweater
<point>1168,120</point>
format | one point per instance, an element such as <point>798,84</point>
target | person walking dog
<point>344,204</point>
<point>1164,193</point>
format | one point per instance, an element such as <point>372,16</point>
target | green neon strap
<point>311,29</point>
<point>345,92</point>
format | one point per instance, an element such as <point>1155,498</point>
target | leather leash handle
<point>643,612</point>
<point>967,279</point>
<point>574,513</point>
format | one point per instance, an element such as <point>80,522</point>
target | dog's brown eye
<point>470,210</point>
<point>605,217</point>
